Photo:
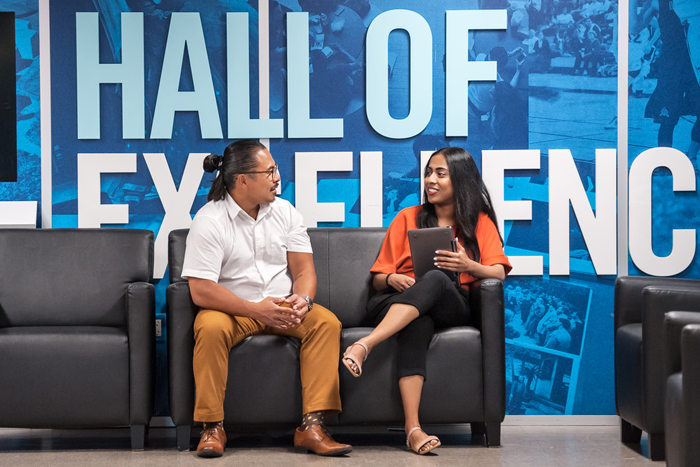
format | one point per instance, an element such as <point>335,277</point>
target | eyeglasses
<point>271,173</point>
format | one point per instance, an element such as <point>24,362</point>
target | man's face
<point>262,187</point>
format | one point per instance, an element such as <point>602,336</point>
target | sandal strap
<point>364,347</point>
<point>412,430</point>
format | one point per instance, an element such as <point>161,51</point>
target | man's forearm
<point>210,295</point>
<point>305,284</point>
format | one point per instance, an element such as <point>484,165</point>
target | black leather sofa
<point>682,405</point>
<point>466,365</point>
<point>641,304</point>
<point>77,329</point>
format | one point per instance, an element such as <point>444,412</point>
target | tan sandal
<point>352,359</point>
<point>426,441</point>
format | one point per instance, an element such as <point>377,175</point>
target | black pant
<point>440,305</point>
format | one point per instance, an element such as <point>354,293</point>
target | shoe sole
<point>304,450</point>
<point>208,454</point>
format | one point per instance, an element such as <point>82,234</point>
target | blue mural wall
<point>28,184</point>
<point>358,90</point>
<point>664,104</point>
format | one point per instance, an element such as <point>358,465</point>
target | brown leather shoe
<point>212,442</point>
<point>318,440</point>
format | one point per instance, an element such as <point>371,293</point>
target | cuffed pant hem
<point>331,406</point>
<point>207,417</point>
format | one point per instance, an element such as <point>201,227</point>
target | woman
<point>455,196</point>
<point>677,92</point>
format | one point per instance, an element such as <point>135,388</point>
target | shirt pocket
<point>277,249</point>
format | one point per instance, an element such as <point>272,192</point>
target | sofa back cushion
<point>70,277</point>
<point>629,299</point>
<point>177,241</point>
<point>343,258</point>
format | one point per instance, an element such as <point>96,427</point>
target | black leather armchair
<point>682,406</point>
<point>77,329</point>
<point>466,365</point>
<point>641,304</point>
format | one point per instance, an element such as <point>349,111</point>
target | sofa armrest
<point>690,349</point>
<point>488,313</point>
<point>181,312</point>
<point>141,327</point>
<point>628,295</point>
<point>657,301</point>
<point>674,322</point>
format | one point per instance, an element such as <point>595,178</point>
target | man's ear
<point>242,179</point>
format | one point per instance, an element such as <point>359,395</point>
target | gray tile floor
<point>523,446</point>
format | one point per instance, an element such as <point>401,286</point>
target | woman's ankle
<point>410,426</point>
<point>368,344</point>
<point>359,349</point>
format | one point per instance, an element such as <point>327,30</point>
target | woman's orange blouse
<point>395,254</point>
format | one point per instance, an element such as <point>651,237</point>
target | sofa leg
<point>493,434</point>
<point>629,434</point>
<point>183,433</point>
<point>657,447</point>
<point>138,437</point>
<point>478,433</point>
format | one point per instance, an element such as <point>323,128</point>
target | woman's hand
<point>457,261</point>
<point>400,282</point>
<point>460,262</point>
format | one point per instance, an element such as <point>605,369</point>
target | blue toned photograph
<point>339,64</point>
<point>184,134</point>
<point>537,383</point>
<point>546,322</point>
<point>572,59</point>
<point>547,314</point>
<point>664,104</point>
<point>20,176</point>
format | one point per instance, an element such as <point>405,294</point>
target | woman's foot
<point>420,442</point>
<point>354,356</point>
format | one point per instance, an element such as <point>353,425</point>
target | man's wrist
<point>251,309</point>
<point>309,302</point>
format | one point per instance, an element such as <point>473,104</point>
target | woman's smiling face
<point>438,185</point>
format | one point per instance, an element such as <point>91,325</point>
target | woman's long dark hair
<point>471,197</point>
<point>238,158</point>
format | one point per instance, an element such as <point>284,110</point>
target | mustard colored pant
<point>215,333</point>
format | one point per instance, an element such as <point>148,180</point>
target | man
<point>559,337</point>
<point>240,249</point>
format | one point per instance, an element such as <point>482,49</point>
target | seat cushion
<point>374,397</point>
<point>264,382</point>
<point>453,391</point>
<point>64,376</point>
<point>628,373</point>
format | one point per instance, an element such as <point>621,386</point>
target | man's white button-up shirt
<point>247,256</point>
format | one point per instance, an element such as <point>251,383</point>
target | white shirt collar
<point>235,210</point>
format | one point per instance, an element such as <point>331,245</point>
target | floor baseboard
<point>562,420</point>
